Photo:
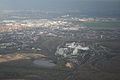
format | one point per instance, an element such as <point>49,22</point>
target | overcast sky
<point>58,4</point>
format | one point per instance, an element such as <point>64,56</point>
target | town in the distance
<point>56,42</point>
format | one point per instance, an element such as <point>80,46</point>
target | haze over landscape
<point>59,39</point>
<point>100,7</point>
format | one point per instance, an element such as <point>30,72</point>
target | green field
<point>102,24</point>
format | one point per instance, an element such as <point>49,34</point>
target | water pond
<point>44,63</point>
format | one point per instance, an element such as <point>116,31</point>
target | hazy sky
<point>58,4</point>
